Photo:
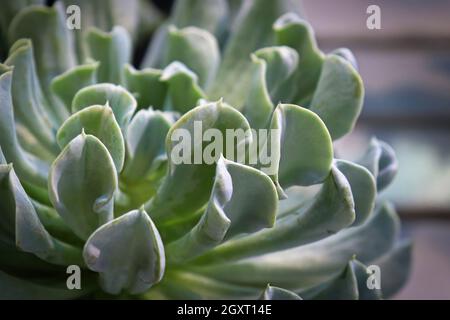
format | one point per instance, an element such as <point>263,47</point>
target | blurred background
<point>405,67</point>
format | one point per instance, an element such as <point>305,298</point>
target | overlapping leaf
<point>127,252</point>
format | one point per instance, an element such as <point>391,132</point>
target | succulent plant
<point>87,178</point>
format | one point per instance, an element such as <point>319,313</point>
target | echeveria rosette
<point>86,175</point>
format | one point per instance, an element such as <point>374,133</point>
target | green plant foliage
<point>88,140</point>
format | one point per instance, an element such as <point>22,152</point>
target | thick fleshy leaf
<point>296,198</point>
<point>305,146</point>
<point>198,13</point>
<point>251,30</point>
<point>183,89</point>
<point>55,225</point>
<point>119,99</point>
<point>362,274</point>
<point>145,144</point>
<point>381,161</point>
<point>330,211</point>
<point>157,51</point>
<point>395,267</point>
<point>281,63</point>
<point>343,287</point>
<point>28,168</point>
<point>31,145</point>
<point>2,157</point>
<point>186,285</point>
<point>112,50</point>
<point>146,160</point>
<point>294,32</point>
<point>275,293</point>
<point>100,122</point>
<point>188,184</point>
<point>11,8</point>
<point>146,86</point>
<point>52,41</point>
<point>127,252</point>
<point>339,96</point>
<point>307,266</point>
<point>20,225</point>
<point>258,106</point>
<point>19,222</point>
<point>254,200</point>
<point>104,15</point>
<point>82,183</point>
<point>30,106</point>
<point>271,67</point>
<point>243,200</point>
<point>197,49</point>
<point>66,85</point>
<point>348,55</point>
<point>363,188</point>
<point>16,288</point>
<point>208,16</point>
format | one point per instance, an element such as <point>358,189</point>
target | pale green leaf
<point>197,49</point>
<point>331,210</point>
<point>243,200</point>
<point>258,106</point>
<point>19,222</point>
<point>2,157</point>
<point>381,161</point>
<point>183,89</point>
<point>207,15</point>
<point>282,62</point>
<point>294,32</point>
<point>31,108</point>
<point>157,50</point>
<point>82,183</point>
<point>305,146</point>
<point>187,285</point>
<point>187,185</point>
<point>104,15</point>
<point>112,50</point>
<point>52,43</point>
<point>28,168</point>
<point>146,86</point>
<point>251,30</point>
<point>275,293</point>
<point>127,252</point>
<point>342,287</point>
<point>363,188</point>
<point>119,99</point>
<point>145,143</point>
<point>307,266</point>
<point>339,96</point>
<point>20,225</point>
<point>100,122</point>
<point>348,55</point>
<point>66,85</point>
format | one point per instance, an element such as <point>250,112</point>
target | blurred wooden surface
<point>406,64</point>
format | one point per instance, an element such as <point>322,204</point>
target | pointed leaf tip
<point>82,183</point>
<point>127,252</point>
